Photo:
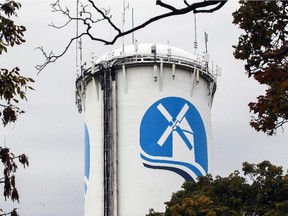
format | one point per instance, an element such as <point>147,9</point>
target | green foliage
<point>13,88</point>
<point>266,194</point>
<point>153,213</point>
<point>11,33</point>
<point>221,196</point>
<point>10,167</point>
<point>264,46</point>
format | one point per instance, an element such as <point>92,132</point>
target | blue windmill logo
<point>87,158</point>
<point>175,126</point>
<point>173,137</point>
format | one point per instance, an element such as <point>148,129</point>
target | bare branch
<point>162,4</point>
<point>62,26</point>
<point>186,3</point>
<point>50,58</point>
<point>182,11</point>
<point>219,4</point>
<point>104,15</point>
<point>12,213</point>
<point>88,21</point>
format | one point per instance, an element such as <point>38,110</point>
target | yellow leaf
<point>284,84</point>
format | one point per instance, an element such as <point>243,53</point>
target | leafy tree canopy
<point>10,33</point>
<point>264,46</point>
<point>263,191</point>
<point>13,88</point>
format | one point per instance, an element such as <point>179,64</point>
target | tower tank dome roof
<point>147,49</point>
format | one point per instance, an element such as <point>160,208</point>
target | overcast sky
<point>51,131</point>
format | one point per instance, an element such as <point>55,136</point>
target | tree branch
<point>186,3</point>
<point>12,213</point>
<point>219,4</point>
<point>198,7</point>
<point>105,16</point>
<point>162,4</point>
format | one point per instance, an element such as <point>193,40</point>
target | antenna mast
<point>77,33</point>
<point>78,42</point>
<point>206,41</point>
<point>133,40</point>
<point>195,32</point>
<point>123,23</point>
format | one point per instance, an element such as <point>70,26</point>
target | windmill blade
<point>164,136</point>
<point>182,113</point>
<point>164,112</point>
<point>169,129</point>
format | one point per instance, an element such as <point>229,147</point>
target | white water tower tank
<point>147,127</point>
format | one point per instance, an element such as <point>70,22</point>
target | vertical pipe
<point>108,183</point>
<point>115,149</point>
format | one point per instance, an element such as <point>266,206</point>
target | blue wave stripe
<point>182,173</point>
<point>187,165</point>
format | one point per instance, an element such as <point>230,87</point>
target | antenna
<point>206,55</point>
<point>77,33</point>
<point>206,41</point>
<point>195,31</point>
<point>78,42</point>
<point>133,40</point>
<point>123,23</point>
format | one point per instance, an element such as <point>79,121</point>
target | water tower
<point>147,127</point>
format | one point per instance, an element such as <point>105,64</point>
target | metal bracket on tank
<point>124,78</point>
<point>80,96</point>
<point>197,70</point>
<point>197,75</point>
<point>155,72</point>
<point>100,76</point>
<point>153,51</point>
<point>169,53</point>
<point>96,84</point>
<point>193,77</point>
<point>173,71</point>
<point>161,75</point>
